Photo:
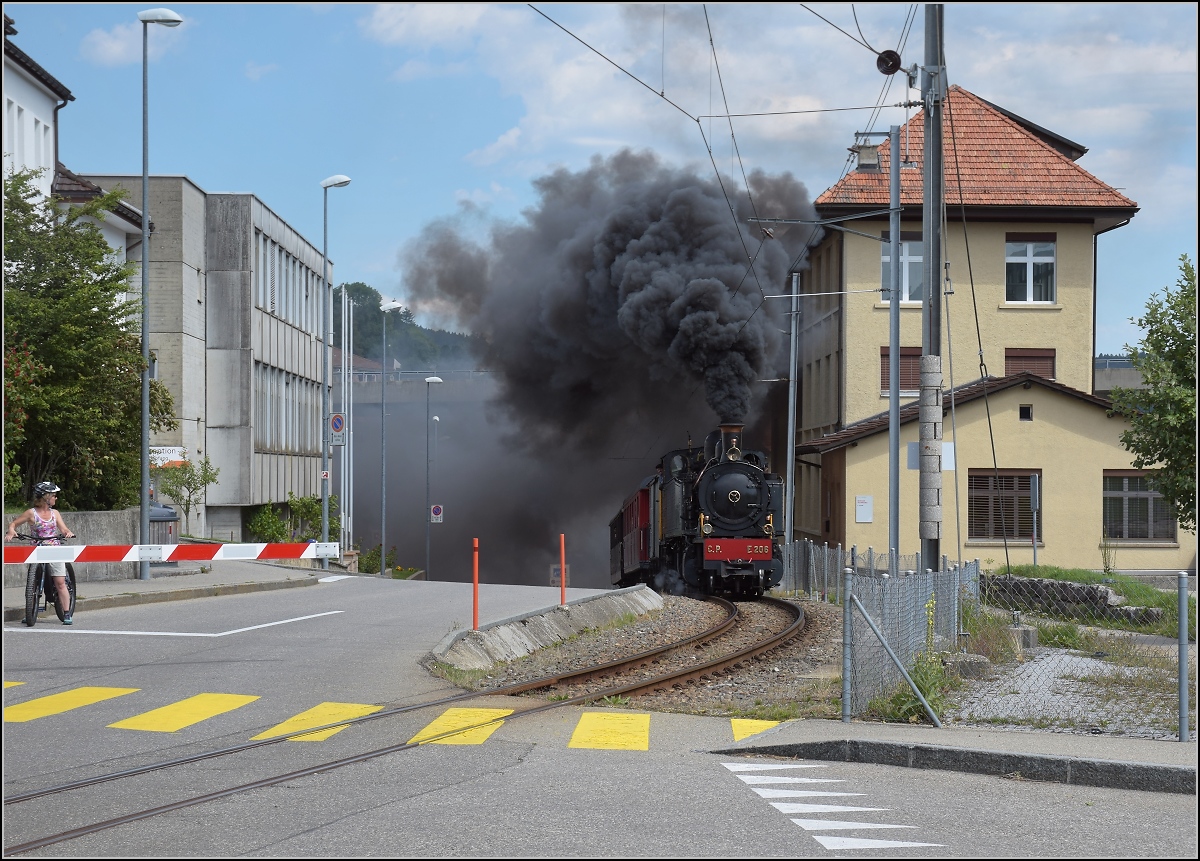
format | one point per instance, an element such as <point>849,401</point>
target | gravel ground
<point>1051,690</point>
<point>798,680</point>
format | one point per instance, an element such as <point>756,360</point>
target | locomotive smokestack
<point>731,441</point>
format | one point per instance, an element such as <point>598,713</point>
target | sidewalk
<point>1093,760</point>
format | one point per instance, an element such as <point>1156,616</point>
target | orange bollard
<point>475,588</point>
<point>562,566</point>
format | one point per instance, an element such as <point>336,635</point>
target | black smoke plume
<point>619,317</point>
<point>622,290</point>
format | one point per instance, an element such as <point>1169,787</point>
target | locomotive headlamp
<point>707,528</point>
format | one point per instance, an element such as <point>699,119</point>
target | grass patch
<point>1134,591</point>
<point>902,705</point>
<point>467,679</point>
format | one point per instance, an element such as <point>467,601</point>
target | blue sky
<point>434,107</point>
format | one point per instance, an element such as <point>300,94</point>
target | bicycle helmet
<point>45,487</point>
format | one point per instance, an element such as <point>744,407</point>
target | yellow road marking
<point>457,718</point>
<point>743,728</point>
<point>184,713</point>
<point>325,713</point>
<point>612,731</point>
<point>58,703</point>
<point>12,684</point>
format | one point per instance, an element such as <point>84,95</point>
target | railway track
<point>714,651</point>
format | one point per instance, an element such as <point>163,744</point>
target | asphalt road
<point>527,790</point>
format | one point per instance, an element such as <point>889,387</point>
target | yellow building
<point>1047,434</point>
<point>1022,224</point>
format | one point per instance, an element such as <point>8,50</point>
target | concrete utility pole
<point>933,93</point>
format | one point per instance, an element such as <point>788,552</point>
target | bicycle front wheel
<point>63,614</point>
<point>33,592</point>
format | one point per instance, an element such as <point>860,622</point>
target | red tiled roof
<point>995,160</point>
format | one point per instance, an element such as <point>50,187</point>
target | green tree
<point>64,297</point>
<point>184,483</point>
<point>22,373</point>
<point>368,320</point>
<point>1162,416</point>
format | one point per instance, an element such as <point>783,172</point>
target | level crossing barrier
<point>18,555</point>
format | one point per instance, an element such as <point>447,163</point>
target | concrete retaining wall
<point>92,527</point>
<point>513,638</point>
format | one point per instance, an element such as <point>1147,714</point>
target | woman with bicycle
<point>48,527</point>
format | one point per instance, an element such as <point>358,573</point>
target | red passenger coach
<point>631,534</point>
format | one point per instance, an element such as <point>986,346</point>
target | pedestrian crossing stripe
<point>839,825</point>
<point>55,704</point>
<point>611,731</point>
<point>772,766</point>
<point>743,728</point>
<point>863,843</point>
<point>321,715</point>
<point>184,713</point>
<point>775,778</point>
<point>476,726</point>
<point>831,842</point>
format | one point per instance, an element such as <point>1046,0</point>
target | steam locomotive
<point>707,520</point>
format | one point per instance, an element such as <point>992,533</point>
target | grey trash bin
<point>164,524</point>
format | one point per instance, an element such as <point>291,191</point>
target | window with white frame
<point>1029,267</point>
<point>912,270</point>
<point>1134,512</point>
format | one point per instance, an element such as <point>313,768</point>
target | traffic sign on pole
<point>337,429</point>
<point>435,514</point>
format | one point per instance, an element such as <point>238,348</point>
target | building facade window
<point>1035,360</point>
<point>912,270</point>
<point>910,371</point>
<point>1029,265</point>
<point>999,504</point>
<point>1134,512</point>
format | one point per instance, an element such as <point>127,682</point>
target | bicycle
<point>40,590</point>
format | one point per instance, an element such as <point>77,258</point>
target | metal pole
<point>383,447</point>
<point>348,502</point>
<point>144,565</point>
<point>894,350</point>
<point>428,517</point>
<point>789,520</point>
<point>326,324</point>
<point>1184,625</point>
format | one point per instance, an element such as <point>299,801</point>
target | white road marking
<point>333,578</point>
<point>62,629</point>
<point>775,778</point>
<point>864,843</point>
<point>801,793</point>
<point>744,766</point>
<point>837,825</point>
<point>787,807</point>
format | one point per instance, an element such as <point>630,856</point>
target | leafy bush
<point>932,680</point>
<point>267,525</point>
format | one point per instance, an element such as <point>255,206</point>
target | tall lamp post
<point>390,305</point>
<point>335,181</point>
<point>168,19</point>
<point>428,515</point>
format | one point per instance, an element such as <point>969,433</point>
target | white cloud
<point>122,44</point>
<point>255,72</point>
<point>424,25</point>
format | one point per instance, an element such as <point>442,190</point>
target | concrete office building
<point>235,334</point>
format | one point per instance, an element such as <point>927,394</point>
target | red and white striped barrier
<point>17,555</point>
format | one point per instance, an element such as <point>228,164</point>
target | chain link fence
<point>1067,651</point>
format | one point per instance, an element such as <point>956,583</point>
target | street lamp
<point>335,181</point>
<point>428,514</point>
<point>390,305</point>
<point>168,19</point>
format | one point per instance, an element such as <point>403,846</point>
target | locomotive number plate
<point>750,549</point>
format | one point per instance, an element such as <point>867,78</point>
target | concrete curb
<point>1109,774</point>
<point>129,599</point>
<point>518,636</point>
